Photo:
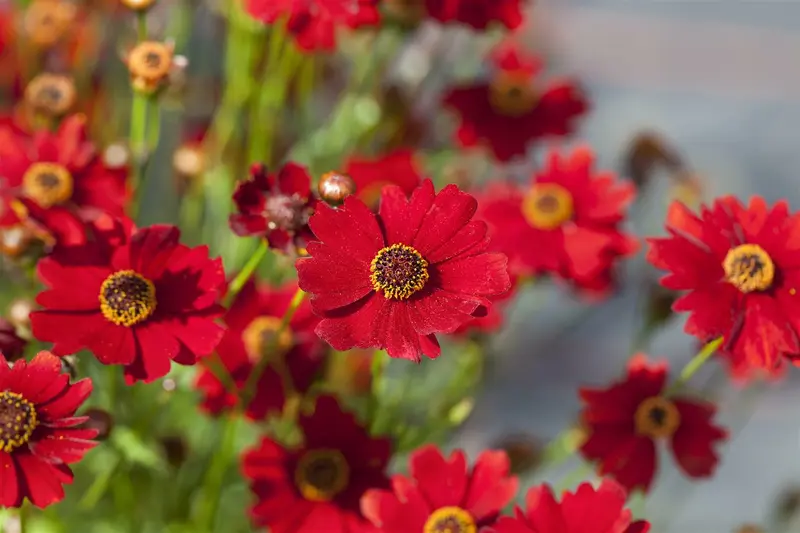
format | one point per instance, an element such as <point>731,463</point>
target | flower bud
<point>149,64</point>
<point>12,346</point>
<point>175,450</point>
<point>99,420</point>
<point>524,452</point>
<point>334,188</point>
<point>50,95</point>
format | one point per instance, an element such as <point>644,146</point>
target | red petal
<point>402,217</point>
<point>332,278</point>
<point>452,209</point>
<point>43,481</point>
<point>10,480</point>
<point>443,482</point>
<point>543,511</point>
<point>482,274</point>
<point>600,510</point>
<point>351,230</point>
<point>491,487</point>
<point>693,443</point>
<point>294,179</point>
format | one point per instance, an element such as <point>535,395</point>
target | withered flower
<point>150,64</point>
<point>46,22</point>
<point>335,187</point>
<point>50,95</point>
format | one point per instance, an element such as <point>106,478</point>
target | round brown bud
<point>150,64</point>
<point>99,420</point>
<point>138,5</point>
<point>524,452</point>
<point>19,312</point>
<point>47,21</point>
<point>51,95</point>
<point>175,450</point>
<point>334,187</point>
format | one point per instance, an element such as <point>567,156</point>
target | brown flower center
<point>47,184</point>
<point>398,271</point>
<point>259,336</point>
<point>17,421</point>
<point>749,268</point>
<point>657,417</point>
<point>50,94</point>
<point>450,520</point>
<point>150,60</point>
<point>547,206</point>
<point>322,474</point>
<point>289,213</point>
<point>511,93</point>
<point>46,21</point>
<point>127,298</point>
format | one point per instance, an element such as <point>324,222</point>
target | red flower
<point>137,298</point>
<point>317,487</point>
<point>372,175</point>
<point>11,345</point>
<point>741,266</point>
<point>395,279</point>
<point>494,317</point>
<point>588,510</point>
<point>573,217</point>
<point>442,494</point>
<point>39,432</point>
<point>477,13</point>
<point>625,420</point>
<point>275,207</point>
<point>509,111</point>
<point>313,23</point>
<point>252,322</point>
<point>59,178</point>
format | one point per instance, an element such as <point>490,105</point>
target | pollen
<point>511,93</point>
<point>17,421</point>
<point>47,184</point>
<point>450,520</point>
<point>127,298</point>
<point>398,271</point>
<point>657,417</point>
<point>749,268</point>
<point>322,474</point>
<point>547,206</point>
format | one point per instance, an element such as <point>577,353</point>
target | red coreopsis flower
<point>478,14</point>
<point>443,494</point>
<point>395,279</point>
<point>372,175</point>
<point>313,23</point>
<point>587,510</point>
<point>133,297</point>
<point>39,432</point>
<point>317,487</point>
<point>741,268</point>
<point>566,222</point>
<point>59,178</point>
<point>275,206</point>
<point>252,322</point>
<point>512,109</point>
<point>625,421</point>
<point>494,317</point>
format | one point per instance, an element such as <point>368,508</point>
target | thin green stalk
<point>247,271</point>
<point>141,25</point>
<point>215,476</point>
<point>695,364</point>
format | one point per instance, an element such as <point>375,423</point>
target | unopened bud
<point>99,420</point>
<point>524,452</point>
<point>334,187</point>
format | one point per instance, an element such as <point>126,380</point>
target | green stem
<point>695,364</point>
<point>215,476</point>
<point>24,511</point>
<point>247,271</point>
<point>141,25</point>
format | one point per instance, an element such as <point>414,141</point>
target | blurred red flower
<point>625,420</point>
<point>443,494</point>
<point>741,266</point>
<point>394,279</point>
<point>11,345</point>
<point>566,223</point>
<point>477,13</point>
<point>39,432</point>
<point>587,510</point>
<point>59,178</point>
<point>133,297</point>
<point>275,206</point>
<point>510,111</point>
<point>313,23</point>
<point>495,316</point>
<point>252,323</point>
<point>317,487</point>
<point>372,175</point>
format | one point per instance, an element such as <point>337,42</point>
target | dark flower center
<point>127,298</point>
<point>749,268</point>
<point>17,421</point>
<point>289,213</point>
<point>511,93</point>
<point>547,206</point>
<point>259,337</point>
<point>50,94</point>
<point>450,520</point>
<point>150,60</point>
<point>398,271</point>
<point>47,184</point>
<point>657,417</point>
<point>322,474</point>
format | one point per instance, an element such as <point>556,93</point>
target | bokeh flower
<point>317,487</point>
<point>443,494</point>
<point>399,167</point>
<point>478,14</point>
<point>626,420</point>
<point>133,297</point>
<point>395,279</point>
<point>566,222</point>
<point>12,346</point>
<point>39,432</point>
<point>251,324</point>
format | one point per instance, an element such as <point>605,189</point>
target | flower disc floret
<point>450,520</point>
<point>398,271</point>
<point>127,298</point>
<point>547,206</point>
<point>657,417</point>
<point>47,184</point>
<point>17,421</point>
<point>322,474</point>
<point>749,268</point>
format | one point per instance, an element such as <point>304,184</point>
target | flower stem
<point>138,127</point>
<point>247,271</point>
<point>695,363</point>
<point>215,476</point>
<point>141,25</point>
